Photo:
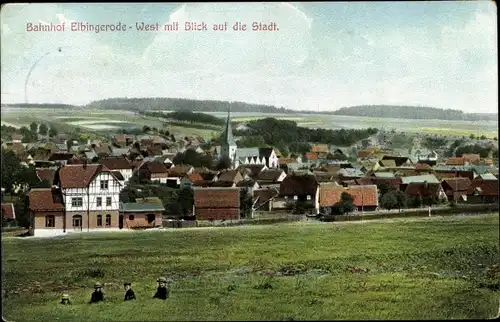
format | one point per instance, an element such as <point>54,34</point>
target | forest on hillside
<point>414,112</point>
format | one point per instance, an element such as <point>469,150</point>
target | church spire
<point>228,135</point>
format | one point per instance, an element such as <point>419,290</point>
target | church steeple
<point>228,134</point>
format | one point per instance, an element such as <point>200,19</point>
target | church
<point>242,156</point>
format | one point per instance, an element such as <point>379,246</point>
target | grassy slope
<point>215,272</point>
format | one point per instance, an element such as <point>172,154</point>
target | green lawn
<point>428,268</point>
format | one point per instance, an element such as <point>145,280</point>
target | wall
<point>95,191</point>
<point>217,213</point>
<point>90,221</point>
<point>140,220</point>
<point>39,220</point>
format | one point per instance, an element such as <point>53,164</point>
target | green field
<point>427,268</point>
<point>106,121</point>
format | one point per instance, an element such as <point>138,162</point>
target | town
<point>147,181</point>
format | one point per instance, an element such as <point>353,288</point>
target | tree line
<point>286,135</point>
<point>186,116</point>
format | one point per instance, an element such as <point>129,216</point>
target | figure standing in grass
<point>65,299</point>
<point>97,295</point>
<point>162,290</point>
<point>129,294</point>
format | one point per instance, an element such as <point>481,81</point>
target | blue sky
<point>325,55</point>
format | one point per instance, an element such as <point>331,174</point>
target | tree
<point>418,201</point>
<point>223,164</point>
<point>389,201</point>
<point>146,129</point>
<point>43,130</point>
<point>10,169</point>
<point>345,205</point>
<point>402,199</point>
<point>21,207</point>
<point>482,137</point>
<point>193,158</point>
<point>52,132</point>
<point>33,127</point>
<point>246,203</point>
<point>472,136</point>
<point>172,137</point>
<point>185,200</point>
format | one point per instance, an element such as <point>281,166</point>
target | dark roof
<point>179,171</point>
<point>455,184</point>
<point>299,185</point>
<point>45,199</point>
<point>264,195</point>
<point>154,167</point>
<point>486,187</point>
<point>269,175</point>
<point>46,174</point>
<point>116,163</point>
<point>118,175</point>
<point>245,183</point>
<point>394,182</point>
<point>428,162</point>
<point>60,156</point>
<point>265,152</point>
<point>251,169</point>
<point>229,175</point>
<point>8,210</point>
<point>141,207</point>
<point>421,188</point>
<point>216,197</point>
<point>398,160</point>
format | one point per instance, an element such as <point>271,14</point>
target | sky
<point>323,57</point>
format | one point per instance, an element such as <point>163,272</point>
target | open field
<point>421,268</point>
<point>101,120</point>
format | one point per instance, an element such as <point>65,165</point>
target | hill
<point>414,112</point>
<point>429,268</point>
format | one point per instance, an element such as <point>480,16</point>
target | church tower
<point>228,147</point>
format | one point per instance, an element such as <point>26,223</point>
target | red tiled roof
<point>270,175</point>
<point>154,167</point>
<point>217,198</point>
<point>179,171</point>
<point>116,163</point>
<point>422,166</point>
<point>364,153</point>
<point>229,175</point>
<point>193,177</point>
<point>362,195</point>
<point>78,175</point>
<point>8,211</point>
<point>120,138</point>
<point>471,158</point>
<point>45,199</point>
<point>45,174</point>
<point>420,188</point>
<point>486,187</point>
<point>311,156</point>
<point>455,161</point>
<point>451,185</point>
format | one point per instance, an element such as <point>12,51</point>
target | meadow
<point>109,120</point>
<point>424,268</point>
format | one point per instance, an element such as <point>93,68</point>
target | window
<point>131,217</point>
<point>99,201</point>
<point>50,221</point>
<point>108,220</point>
<point>308,197</point>
<point>295,197</point>
<point>77,202</point>
<point>104,184</point>
<point>99,220</point>
<point>108,201</point>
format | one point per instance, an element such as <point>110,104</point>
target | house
<point>188,180</point>
<point>8,211</point>
<point>425,190</point>
<point>248,185</point>
<point>61,157</point>
<point>383,174</point>
<point>90,196</point>
<point>394,183</point>
<point>46,174</point>
<point>431,156</point>
<point>398,160</point>
<point>471,158</point>
<point>233,176</point>
<point>456,188</point>
<point>154,171</point>
<point>365,197</point>
<point>483,191</point>
<point>17,138</point>
<point>270,176</point>
<point>310,157</point>
<point>486,176</point>
<point>216,204</point>
<point>457,161</point>
<point>46,212</point>
<point>365,154</point>
<point>176,173</point>
<point>387,163</point>
<point>454,172</point>
<point>263,198</point>
<point>121,164</point>
<point>252,170</point>
<point>140,215</point>
<point>302,188</point>
<point>265,156</point>
<point>429,178</point>
<point>321,150</point>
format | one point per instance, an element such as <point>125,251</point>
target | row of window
<point>78,201</point>
<point>296,197</point>
<point>50,221</point>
